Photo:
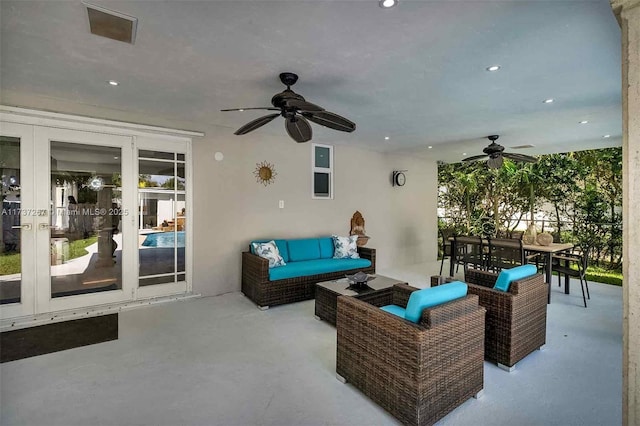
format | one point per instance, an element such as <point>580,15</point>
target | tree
<point>145,181</point>
<point>171,184</point>
<point>585,187</point>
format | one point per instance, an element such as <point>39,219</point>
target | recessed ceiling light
<point>113,82</point>
<point>429,147</point>
<point>464,153</point>
<point>115,157</point>
<point>386,138</point>
<point>387,4</point>
<point>584,121</point>
<point>240,110</point>
<point>493,68</point>
<point>548,101</point>
<point>606,136</point>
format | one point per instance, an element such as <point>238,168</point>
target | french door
<point>91,217</point>
<point>67,228</point>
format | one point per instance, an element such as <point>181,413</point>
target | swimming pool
<point>163,239</point>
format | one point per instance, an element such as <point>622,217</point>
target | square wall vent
<point>114,25</point>
<point>522,146</point>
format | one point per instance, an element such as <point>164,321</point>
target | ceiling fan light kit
<point>496,155</point>
<point>297,113</point>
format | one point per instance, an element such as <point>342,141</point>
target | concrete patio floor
<point>221,361</point>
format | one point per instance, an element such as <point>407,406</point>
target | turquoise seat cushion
<point>326,247</point>
<point>507,276</point>
<point>305,249</point>
<point>281,244</point>
<point>395,310</point>
<point>428,297</point>
<point>305,268</point>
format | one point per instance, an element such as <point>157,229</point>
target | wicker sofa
<point>516,322</point>
<point>258,285</point>
<point>417,372</point>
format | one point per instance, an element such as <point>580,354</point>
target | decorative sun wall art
<point>265,173</point>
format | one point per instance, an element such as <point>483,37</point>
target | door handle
<point>26,226</point>
<point>43,226</point>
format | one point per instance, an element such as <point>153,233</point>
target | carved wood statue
<point>357,228</point>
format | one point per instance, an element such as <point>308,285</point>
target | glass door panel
<point>161,218</point>
<point>10,238</point>
<point>84,249</point>
<point>86,209</point>
<point>17,242</point>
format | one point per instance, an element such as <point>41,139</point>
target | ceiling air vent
<point>114,25</point>
<point>522,146</point>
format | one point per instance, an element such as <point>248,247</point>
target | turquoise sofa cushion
<point>281,244</point>
<point>326,247</point>
<point>306,249</point>
<point>428,297</point>
<point>395,310</point>
<point>305,268</point>
<point>506,276</point>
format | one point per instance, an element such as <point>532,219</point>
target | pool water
<point>164,239</point>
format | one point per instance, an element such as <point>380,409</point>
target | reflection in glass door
<point>10,237</point>
<point>71,231</point>
<point>161,217</point>
<point>86,210</point>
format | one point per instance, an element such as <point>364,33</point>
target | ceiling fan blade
<point>520,157</point>
<point>475,157</point>
<point>298,128</point>
<point>303,105</point>
<point>331,120</point>
<point>258,122</point>
<point>245,109</point>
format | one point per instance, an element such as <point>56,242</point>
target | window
<point>322,176</point>
<point>162,218</point>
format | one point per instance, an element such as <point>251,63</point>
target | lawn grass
<point>10,263</point>
<point>77,247</point>
<point>598,274</point>
<point>601,275</point>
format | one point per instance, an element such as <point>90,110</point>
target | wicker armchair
<point>516,322</point>
<point>417,372</point>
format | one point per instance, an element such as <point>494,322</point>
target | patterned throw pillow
<point>269,251</point>
<point>345,247</point>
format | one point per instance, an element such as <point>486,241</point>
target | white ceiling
<point>416,73</point>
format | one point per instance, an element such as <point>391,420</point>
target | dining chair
<point>517,235</point>
<point>469,251</point>
<point>446,233</point>
<point>562,265</point>
<point>504,253</point>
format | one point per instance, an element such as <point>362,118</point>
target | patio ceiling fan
<point>296,111</point>
<point>496,155</point>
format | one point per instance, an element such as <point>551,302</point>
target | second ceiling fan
<point>496,155</point>
<point>296,111</point>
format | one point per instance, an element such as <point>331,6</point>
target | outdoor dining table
<point>546,251</point>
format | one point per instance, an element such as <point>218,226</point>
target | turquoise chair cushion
<point>281,244</point>
<point>506,276</point>
<point>428,297</point>
<point>305,268</point>
<point>326,247</point>
<point>395,310</point>
<point>305,249</point>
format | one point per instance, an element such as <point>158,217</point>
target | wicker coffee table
<point>327,293</point>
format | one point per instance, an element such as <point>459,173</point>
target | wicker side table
<point>379,293</point>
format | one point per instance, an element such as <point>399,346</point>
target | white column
<point>628,14</point>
